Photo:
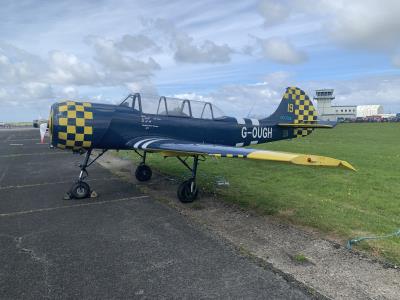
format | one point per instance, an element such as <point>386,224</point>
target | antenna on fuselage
<point>251,109</point>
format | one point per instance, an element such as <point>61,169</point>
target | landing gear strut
<point>187,190</point>
<point>143,172</point>
<point>80,189</point>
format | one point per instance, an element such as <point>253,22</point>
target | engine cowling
<point>71,125</point>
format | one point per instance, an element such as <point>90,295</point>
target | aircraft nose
<point>72,125</point>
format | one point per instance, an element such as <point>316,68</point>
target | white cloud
<point>193,96</point>
<point>30,82</point>
<point>247,99</point>
<point>207,52</point>
<point>274,12</point>
<point>396,60</point>
<point>186,49</point>
<point>117,64</point>
<point>373,24</point>
<point>18,66</point>
<point>383,90</point>
<point>279,79</point>
<point>262,99</point>
<point>361,24</point>
<point>69,69</point>
<point>143,86</point>
<point>30,95</point>
<point>240,100</point>
<point>70,92</point>
<point>36,90</point>
<point>281,51</point>
<point>137,43</point>
<point>198,52</point>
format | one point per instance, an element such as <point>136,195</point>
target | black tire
<point>143,173</point>
<point>80,190</point>
<point>185,192</point>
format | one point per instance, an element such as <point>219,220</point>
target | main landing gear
<point>143,172</point>
<point>80,189</point>
<point>187,190</point>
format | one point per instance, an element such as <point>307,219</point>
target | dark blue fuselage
<point>84,125</point>
<point>125,124</point>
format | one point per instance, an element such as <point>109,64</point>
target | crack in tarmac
<point>33,154</point>
<point>36,258</point>
<point>50,183</point>
<point>25,212</point>
<point>4,173</point>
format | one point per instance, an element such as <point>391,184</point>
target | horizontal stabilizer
<point>305,125</point>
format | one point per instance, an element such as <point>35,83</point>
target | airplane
<point>181,128</point>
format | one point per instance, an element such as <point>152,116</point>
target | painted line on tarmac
<point>16,144</point>
<point>51,183</point>
<point>9,138</point>
<point>32,154</point>
<point>19,140</point>
<point>25,212</point>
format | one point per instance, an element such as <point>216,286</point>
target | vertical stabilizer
<point>295,109</point>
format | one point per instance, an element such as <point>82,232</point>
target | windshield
<point>169,106</point>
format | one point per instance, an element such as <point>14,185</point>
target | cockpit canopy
<point>175,107</point>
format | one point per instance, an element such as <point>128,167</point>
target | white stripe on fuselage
<point>144,146</point>
<point>240,121</point>
<point>255,122</point>
<point>137,144</point>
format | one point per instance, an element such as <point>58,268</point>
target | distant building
<point>364,111</point>
<point>329,112</point>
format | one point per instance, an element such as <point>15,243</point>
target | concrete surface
<point>122,244</point>
<point>328,267</point>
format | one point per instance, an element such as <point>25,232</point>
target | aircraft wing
<point>172,147</point>
<point>320,124</point>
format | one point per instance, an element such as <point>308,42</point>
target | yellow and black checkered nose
<point>304,110</point>
<point>72,125</point>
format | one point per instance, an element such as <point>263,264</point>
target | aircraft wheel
<point>143,173</point>
<point>80,190</point>
<point>187,191</point>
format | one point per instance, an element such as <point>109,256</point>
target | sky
<point>240,55</point>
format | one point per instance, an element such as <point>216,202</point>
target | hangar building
<point>364,111</point>
<point>329,112</point>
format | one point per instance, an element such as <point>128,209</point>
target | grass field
<point>337,202</point>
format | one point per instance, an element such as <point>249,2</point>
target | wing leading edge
<point>171,147</point>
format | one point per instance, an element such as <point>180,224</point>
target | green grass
<point>338,202</point>
<point>300,258</point>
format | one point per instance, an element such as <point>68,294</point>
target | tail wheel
<point>80,190</point>
<point>143,173</point>
<point>187,191</point>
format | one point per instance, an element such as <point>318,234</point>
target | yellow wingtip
<point>347,165</point>
<point>321,161</point>
<point>300,159</point>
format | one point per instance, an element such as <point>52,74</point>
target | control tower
<point>329,112</point>
<point>324,98</point>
